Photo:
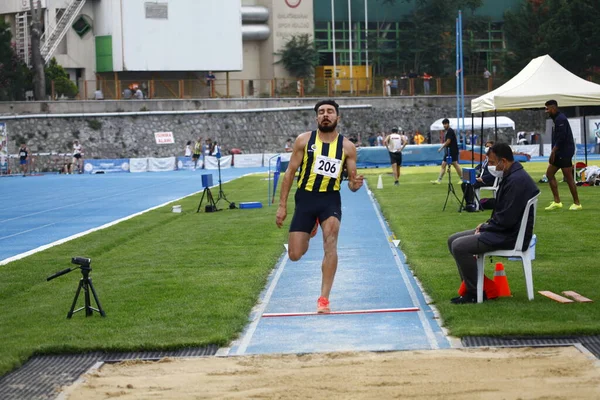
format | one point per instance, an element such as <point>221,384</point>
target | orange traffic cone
<point>489,287</point>
<point>501,281</point>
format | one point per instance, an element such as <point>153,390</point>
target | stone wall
<point>252,132</point>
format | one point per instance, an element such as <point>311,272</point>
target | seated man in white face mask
<point>501,230</point>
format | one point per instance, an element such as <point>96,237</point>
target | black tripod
<point>221,192</point>
<point>450,185</point>
<point>86,283</point>
<point>212,205</point>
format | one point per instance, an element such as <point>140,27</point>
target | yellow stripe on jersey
<point>311,181</point>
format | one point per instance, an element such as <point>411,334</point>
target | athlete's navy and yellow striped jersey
<point>321,162</point>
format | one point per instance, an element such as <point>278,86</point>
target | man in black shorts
<point>23,158</point>
<point>320,155</point>
<point>395,143</point>
<point>450,148</point>
<point>563,149</point>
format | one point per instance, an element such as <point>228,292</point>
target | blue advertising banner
<point>412,155</point>
<point>591,148</point>
<point>106,166</point>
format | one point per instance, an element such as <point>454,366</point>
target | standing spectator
<point>77,157</point>
<point>380,139</point>
<point>486,74</point>
<point>426,79</point>
<point>563,149</point>
<point>288,146</point>
<point>98,95</point>
<point>188,149</point>
<point>210,80</point>
<point>127,94</point>
<point>450,147</point>
<point>372,139</point>
<point>403,84</point>
<point>411,81</point>
<point>395,143</point>
<point>138,94</point>
<point>395,86</point>
<point>419,139</point>
<point>23,158</point>
<point>387,86</point>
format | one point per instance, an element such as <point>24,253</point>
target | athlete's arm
<point>354,182</point>
<point>386,142</point>
<point>288,177</point>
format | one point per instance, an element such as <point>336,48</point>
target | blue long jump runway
<point>376,303</point>
<point>39,210</point>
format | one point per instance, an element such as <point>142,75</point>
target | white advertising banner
<point>576,128</point>
<point>162,164</point>
<point>211,162</point>
<point>247,160</point>
<point>3,148</point>
<point>270,158</point>
<point>138,165</point>
<point>164,137</point>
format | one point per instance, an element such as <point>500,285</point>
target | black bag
<point>469,193</point>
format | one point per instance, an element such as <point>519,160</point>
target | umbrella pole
<point>481,141</point>
<point>495,126</point>
<point>472,140</point>
<point>584,135</point>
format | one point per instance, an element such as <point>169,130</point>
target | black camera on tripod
<point>85,284</point>
<point>84,262</point>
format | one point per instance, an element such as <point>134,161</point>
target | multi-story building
<point>169,45</point>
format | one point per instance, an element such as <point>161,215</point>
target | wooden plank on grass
<point>577,297</point>
<point>555,297</point>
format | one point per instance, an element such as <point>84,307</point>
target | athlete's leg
<point>331,229</point>
<point>568,174</point>
<point>550,174</point>
<point>297,245</point>
<point>458,169</point>
<point>395,171</point>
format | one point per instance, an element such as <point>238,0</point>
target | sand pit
<point>515,373</point>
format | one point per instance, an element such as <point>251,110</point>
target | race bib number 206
<point>327,166</point>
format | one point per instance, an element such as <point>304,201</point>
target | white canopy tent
<point>488,123</point>
<point>541,80</point>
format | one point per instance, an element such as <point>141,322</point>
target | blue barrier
<point>412,155</point>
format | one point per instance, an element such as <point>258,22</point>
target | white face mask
<point>494,172</point>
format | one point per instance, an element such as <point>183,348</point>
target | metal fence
<point>272,88</point>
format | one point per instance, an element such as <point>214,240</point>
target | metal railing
<point>107,89</point>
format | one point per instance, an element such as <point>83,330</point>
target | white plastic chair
<point>493,188</point>
<point>516,252</point>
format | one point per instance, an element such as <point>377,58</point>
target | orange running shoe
<point>314,231</point>
<point>323,305</point>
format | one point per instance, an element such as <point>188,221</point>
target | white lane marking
<point>245,341</point>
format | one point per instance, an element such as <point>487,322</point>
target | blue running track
<point>39,210</point>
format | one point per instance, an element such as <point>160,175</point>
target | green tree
<point>15,77</point>
<point>299,57</point>
<point>430,36</point>
<point>62,84</point>
<point>566,30</point>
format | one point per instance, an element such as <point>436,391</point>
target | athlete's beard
<point>328,128</point>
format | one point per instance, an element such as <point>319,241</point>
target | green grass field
<point>170,280</point>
